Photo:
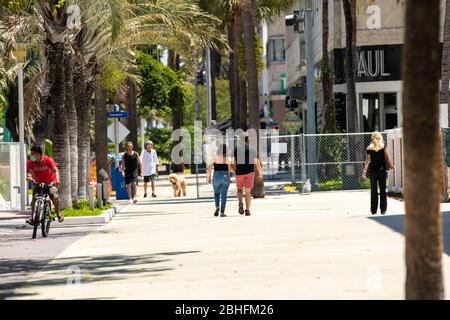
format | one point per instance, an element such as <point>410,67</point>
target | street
<point>323,245</point>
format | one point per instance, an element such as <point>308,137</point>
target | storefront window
<point>390,110</point>
<point>371,112</point>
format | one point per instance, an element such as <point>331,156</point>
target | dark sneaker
<point>216,213</point>
<point>145,195</point>
<point>154,195</point>
<point>247,212</point>
<point>223,214</point>
<point>241,208</point>
<point>383,212</point>
<point>30,222</point>
<point>61,218</point>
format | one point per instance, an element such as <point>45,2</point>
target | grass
<point>297,185</point>
<point>81,209</point>
<point>338,184</point>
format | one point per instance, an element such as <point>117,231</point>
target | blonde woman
<point>375,168</point>
<point>221,164</point>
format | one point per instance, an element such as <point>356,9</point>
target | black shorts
<point>131,177</point>
<point>149,178</point>
<point>53,192</point>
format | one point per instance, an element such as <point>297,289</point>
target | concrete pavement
<point>317,246</point>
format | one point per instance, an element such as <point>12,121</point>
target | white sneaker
<point>130,201</point>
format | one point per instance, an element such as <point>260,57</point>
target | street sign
<point>122,132</point>
<point>21,52</point>
<point>117,114</point>
<point>292,122</point>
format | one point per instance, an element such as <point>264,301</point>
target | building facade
<point>379,87</point>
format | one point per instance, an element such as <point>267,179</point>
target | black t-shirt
<point>244,156</point>
<point>377,160</point>
<point>131,162</point>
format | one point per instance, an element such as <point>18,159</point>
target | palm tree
<point>72,119</point>
<point>423,225</point>
<point>249,27</point>
<point>54,16</point>
<point>101,139</point>
<point>351,65</point>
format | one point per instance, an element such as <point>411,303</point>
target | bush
<point>162,141</point>
<point>81,208</point>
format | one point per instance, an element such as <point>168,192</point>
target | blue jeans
<point>221,182</point>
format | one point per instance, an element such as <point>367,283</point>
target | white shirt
<point>149,162</point>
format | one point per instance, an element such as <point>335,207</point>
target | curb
<point>105,217</point>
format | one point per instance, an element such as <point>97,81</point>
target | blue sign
<point>117,114</point>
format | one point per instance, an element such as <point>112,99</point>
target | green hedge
<point>81,208</point>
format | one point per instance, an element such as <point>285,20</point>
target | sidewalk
<point>318,246</point>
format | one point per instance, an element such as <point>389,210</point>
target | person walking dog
<point>221,163</point>
<point>375,168</point>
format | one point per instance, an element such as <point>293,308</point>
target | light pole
<point>311,110</point>
<point>21,53</point>
<point>208,87</point>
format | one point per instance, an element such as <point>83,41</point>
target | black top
<point>377,160</point>
<point>244,165</point>
<point>220,167</point>
<point>131,162</point>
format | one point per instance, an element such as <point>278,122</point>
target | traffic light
<point>296,20</point>
<point>291,103</point>
<point>200,77</point>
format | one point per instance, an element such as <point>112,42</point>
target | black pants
<point>378,179</point>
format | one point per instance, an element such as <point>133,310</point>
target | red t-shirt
<point>43,171</point>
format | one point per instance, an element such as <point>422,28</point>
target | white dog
<point>178,184</point>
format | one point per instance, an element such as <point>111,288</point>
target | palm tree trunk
<point>249,28</point>
<point>445,63</point>
<point>239,91</point>
<point>327,75</point>
<point>132,112</point>
<point>101,139</point>
<point>243,104</point>
<point>72,121</point>
<point>83,101</point>
<point>56,99</point>
<point>423,225</point>
<point>350,65</point>
<point>231,75</point>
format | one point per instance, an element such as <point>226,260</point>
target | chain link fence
<point>9,176</point>
<point>329,161</point>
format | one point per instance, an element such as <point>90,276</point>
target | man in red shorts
<point>246,163</point>
<point>43,169</point>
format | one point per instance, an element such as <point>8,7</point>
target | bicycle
<point>42,209</point>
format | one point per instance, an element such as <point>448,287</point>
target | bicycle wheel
<point>47,218</point>
<point>37,217</point>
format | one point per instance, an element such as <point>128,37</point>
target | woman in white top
<point>149,167</point>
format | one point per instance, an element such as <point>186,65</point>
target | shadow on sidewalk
<point>396,223</point>
<point>180,200</point>
<point>92,269</point>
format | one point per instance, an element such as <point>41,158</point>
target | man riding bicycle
<point>42,169</point>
